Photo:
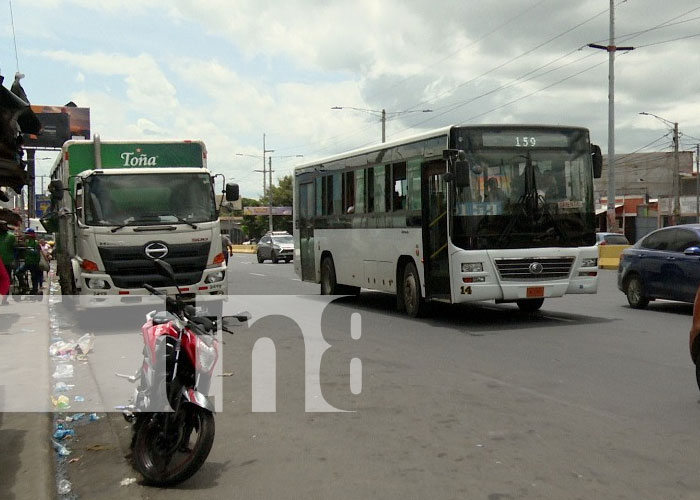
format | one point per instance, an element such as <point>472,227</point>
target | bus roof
<point>426,135</point>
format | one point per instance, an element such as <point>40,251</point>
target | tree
<point>256,226</point>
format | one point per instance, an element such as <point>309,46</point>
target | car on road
<point>665,264</point>
<point>276,246</point>
<point>611,239</point>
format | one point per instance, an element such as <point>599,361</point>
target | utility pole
<point>676,178</point>
<point>382,114</point>
<point>697,183</point>
<point>611,49</point>
<point>383,125</point>
<point>269,196</point>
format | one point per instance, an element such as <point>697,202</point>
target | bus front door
<point>434,211</point>
<point>306,231</point>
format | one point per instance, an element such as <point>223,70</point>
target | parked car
<point>276,246</point>
<point>611,239</point>
<point>665,264</point>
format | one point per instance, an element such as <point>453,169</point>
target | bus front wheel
<point>412,300</point>
<point>329,286</point>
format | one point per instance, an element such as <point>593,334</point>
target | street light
<point>382,113</point>
<point>676,167</point>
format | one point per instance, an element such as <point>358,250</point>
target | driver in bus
<point>493,191</point>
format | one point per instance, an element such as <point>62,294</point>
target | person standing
<point>226,246</point>
<point>7,254</point>
<point>31,260</point>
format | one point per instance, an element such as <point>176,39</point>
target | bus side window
<point>399,186</point>
<point>370,190</point>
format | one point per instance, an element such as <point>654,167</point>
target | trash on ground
<point>85,343</point>
<point>79,399</point>
<point>62,450</point>
<point>93,417</point>
<point>97,447</point>
<point>60,433</point>
<point>61,402</point>
<point>73,418</point>
<point>62,387</point>
<point>63,370</point>
<point>61,349</point>
<point>64,487</point>
<point>74,460</point>
<point>127,481</point>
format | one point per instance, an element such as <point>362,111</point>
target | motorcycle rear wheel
<point>167,460</point>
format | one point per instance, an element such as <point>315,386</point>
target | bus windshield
<point>526,190</point>
<point>143,199</point>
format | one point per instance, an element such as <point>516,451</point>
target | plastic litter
<point>127,481</point>
<point>64,487</point>
<point>85,343</point>
<point>93,417</point>
<point>75,417</point>
<point>63,370</point>
<point>60,433</point>
<point>79,399</point>
<point>62,450</point>
<point>62,387</point>
<point>61,402</point>
<point>61,348</point>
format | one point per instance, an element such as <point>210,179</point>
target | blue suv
<point>665,264</point>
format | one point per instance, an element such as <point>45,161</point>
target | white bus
<point>458,214</point>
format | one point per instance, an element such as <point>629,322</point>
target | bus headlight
<point>590,262</point>
<point>472,267</point>
<point>214,277</point>
<point>97,284</point>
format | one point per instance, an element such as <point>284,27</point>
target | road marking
<point>256,274</point>
<point>296,279</point>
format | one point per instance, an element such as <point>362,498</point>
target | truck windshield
<point>143,199</point>
<point>531,194</point>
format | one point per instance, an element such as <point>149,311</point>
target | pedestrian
<point>31,260</point>
<point>7,252</point>
<point>4,285</point>
<point>226,246</point>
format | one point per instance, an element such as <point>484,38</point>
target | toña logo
<point>138,159</point>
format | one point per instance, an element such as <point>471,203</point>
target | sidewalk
<point>26,456</point>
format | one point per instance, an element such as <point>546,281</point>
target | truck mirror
<point>56,189</point>
<point>232,193</point>
<point>597,157</point>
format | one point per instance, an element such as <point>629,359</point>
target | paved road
<point>585,399</point>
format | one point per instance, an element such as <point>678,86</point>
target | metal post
<point>269,194</point>
<point>697,182</point>
<point>612,222</point>
<point>263,170</point>
<point>383,125</point>
<point>676,177</point>
<point>31,185</point>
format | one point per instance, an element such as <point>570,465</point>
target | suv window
<point>685,239</point>
<point>660,240</point>
<point>616,239</point>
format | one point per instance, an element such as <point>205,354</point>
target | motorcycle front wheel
<point>167,458</point>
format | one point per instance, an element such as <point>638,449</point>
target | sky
<point>230,71</point>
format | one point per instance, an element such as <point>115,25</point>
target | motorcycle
<point>172,417</point>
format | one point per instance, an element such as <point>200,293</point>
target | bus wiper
<point>121,226</point>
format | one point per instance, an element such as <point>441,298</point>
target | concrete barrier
<point>609,256</point>
<point>243,248</point>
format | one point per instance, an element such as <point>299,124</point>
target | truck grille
<point>520,269</point>
<point>130,268</point>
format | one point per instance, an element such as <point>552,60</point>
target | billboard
<point>59,123</point>
<point>42,203</point>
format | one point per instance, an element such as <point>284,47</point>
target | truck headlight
<point>214,277</point>
<point>97,284</point>
<point>589,262</point>
<point>472,267</point>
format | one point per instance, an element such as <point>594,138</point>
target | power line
<point>14,36</point>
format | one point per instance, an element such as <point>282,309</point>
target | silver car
<point>276,246</point>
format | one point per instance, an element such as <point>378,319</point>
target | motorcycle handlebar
<point>151,289</point>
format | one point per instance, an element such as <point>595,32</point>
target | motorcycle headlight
<point>206,355</point>
<point>214,277</point>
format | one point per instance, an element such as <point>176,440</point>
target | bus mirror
<point>232,193</point>
<point>597,157</point>
<point>461,176</point>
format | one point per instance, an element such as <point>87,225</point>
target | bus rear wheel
<point>530,305</point>
<point>412,301</point>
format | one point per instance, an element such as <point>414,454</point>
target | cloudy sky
<point>229,71</point>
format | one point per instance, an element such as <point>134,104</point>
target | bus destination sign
<point>524,139</point>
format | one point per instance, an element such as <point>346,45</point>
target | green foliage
<point>256,226</point>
